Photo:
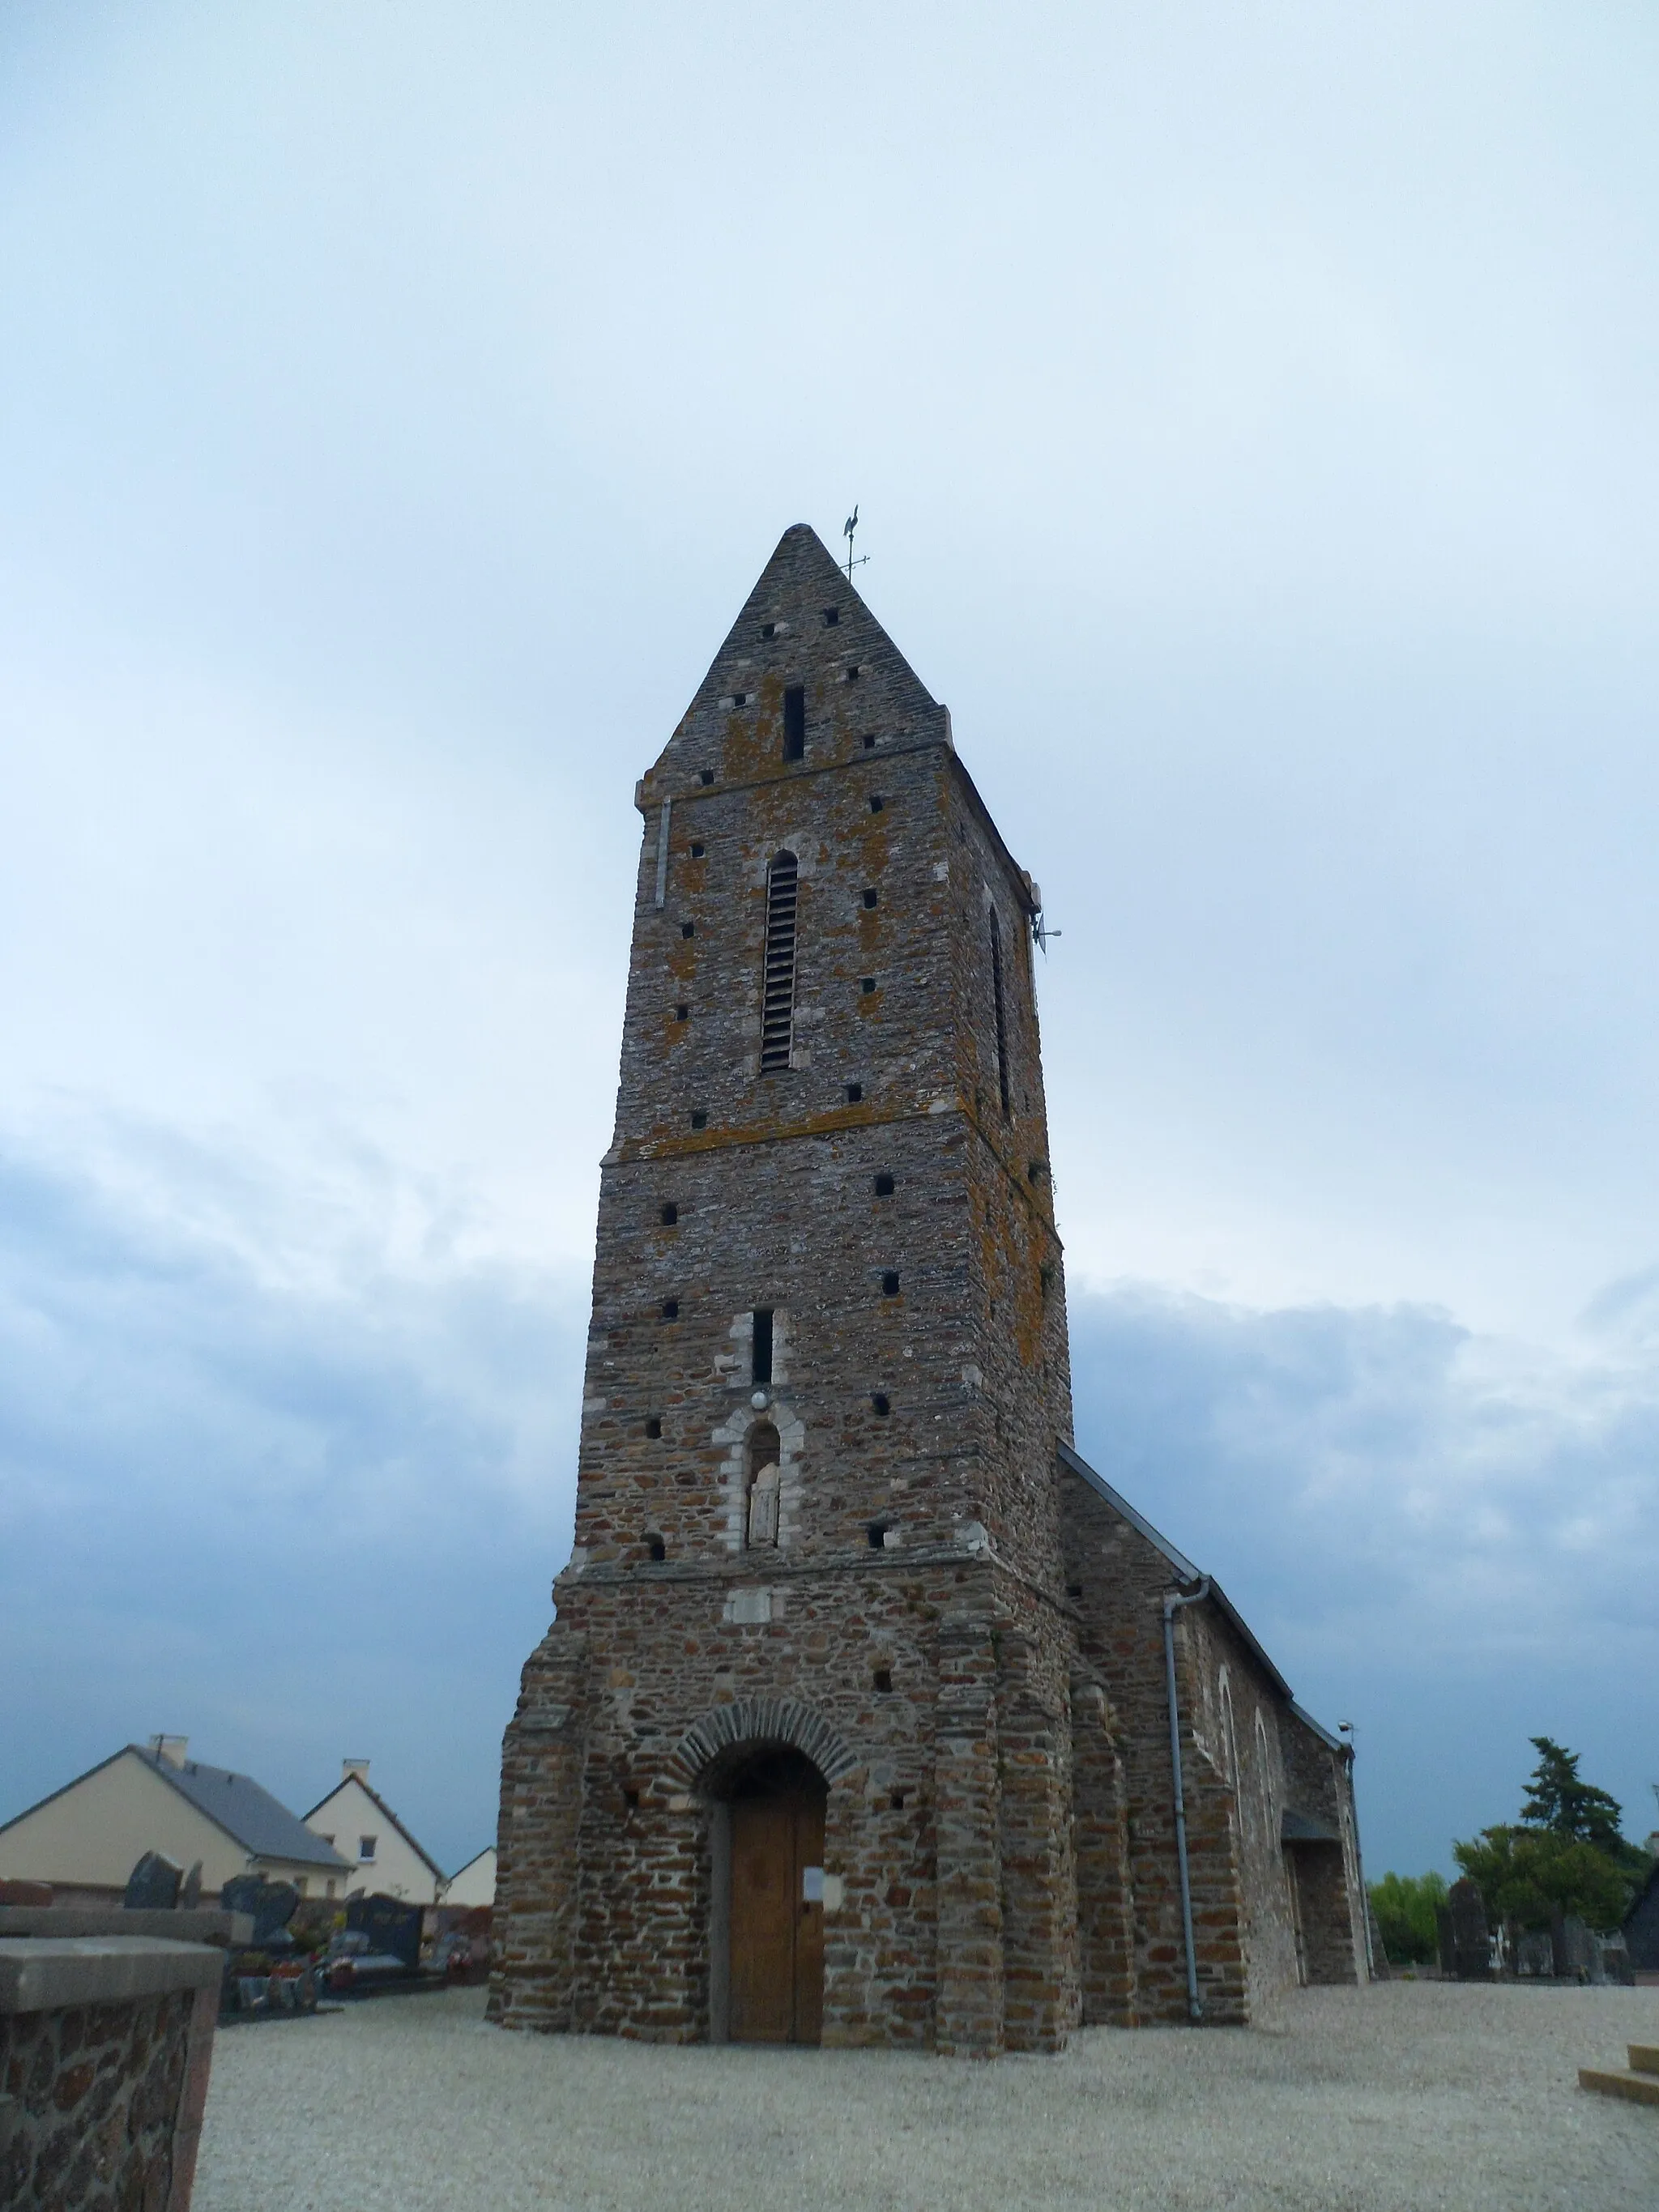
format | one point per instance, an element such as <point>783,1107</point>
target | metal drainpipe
<point>1173,1601</point>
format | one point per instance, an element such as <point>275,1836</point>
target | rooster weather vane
<point>847,529</point>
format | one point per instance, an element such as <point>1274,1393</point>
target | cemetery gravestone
<point>392,1928</point>
<point>270,1903</point>
<point>1471,1939</point>
<point>1536,1955</point>
<point>153,1884</point>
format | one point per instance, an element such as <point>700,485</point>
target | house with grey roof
<point>387,1858</point>
<point>86,1838</point>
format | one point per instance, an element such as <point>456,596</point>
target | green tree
<point>1405,1904</point>
<point>1559,1801</point>
<point>1523,1874</point>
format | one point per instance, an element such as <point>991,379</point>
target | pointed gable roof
<point>235,1804</point>
<point>346,1782</point>
<point>822,636</point>
<point>1184,1570</point>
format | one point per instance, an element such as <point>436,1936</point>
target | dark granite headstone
<point>190,1896</point>
<point>1580,1961</point>
<point>153,1884</point>
<point>1615,1960</point>
<point>390,1925</point>
<point>1642,1926</point>
<point>270,1903</point>
<point>1536,1955</point>
<point>1558,1943</point>
<point>1471,1939</point>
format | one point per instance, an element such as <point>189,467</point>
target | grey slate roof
<point>245,1811</point>
<point>1295,1828</point>
<point>1185,1573</point>
<point>1319,1728</point>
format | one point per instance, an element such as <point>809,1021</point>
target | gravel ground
<point>1407,2097</point>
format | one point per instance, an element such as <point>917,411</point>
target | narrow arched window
<point>1001,1010</point>
<point>1265,1774</point>
<point>778,984</point>
<point>1229,1733</point>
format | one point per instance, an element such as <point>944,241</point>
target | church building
<point>871,1714</point>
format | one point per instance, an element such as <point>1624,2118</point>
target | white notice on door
<point>811,1885</point>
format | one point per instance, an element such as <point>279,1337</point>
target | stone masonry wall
<point>1247,1755</point>
<point>886,1198</point>
<point>99,2089</point>
<point>950,1811</point>
<point>1236,1727</point>
<point>969,1652</point>
<point>1319,1781</point>
<point>1116,1584</point>
<point>536,1863</point>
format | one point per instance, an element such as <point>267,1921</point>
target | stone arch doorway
<point>767,1926</point>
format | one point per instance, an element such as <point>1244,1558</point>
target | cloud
<point>292,1511</point>
<point>284,1466</point>
<point>1449,1538</point>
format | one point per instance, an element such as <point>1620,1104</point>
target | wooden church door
<point>777,1910</point>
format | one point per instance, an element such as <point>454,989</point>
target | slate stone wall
<point>1238,1765</point>
<point>1319,1781</point>
<point>1247,1756</point>
<point>98,2094</point>
<point>948,1818</point>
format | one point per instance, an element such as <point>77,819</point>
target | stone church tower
<point>796,1760</point>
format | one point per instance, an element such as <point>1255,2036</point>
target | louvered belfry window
<point>777,995</point>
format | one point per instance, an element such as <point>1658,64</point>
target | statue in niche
<point>765,1473</point>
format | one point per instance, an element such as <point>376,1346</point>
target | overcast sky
<point>1252,411</point>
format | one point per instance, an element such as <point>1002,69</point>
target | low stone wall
<point>105,2045</point>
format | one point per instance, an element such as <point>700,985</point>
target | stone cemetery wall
<point>106,2045</point>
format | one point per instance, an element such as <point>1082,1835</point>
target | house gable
<point>400,1865</point>
<point>93,1831</point>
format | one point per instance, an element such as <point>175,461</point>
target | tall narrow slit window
<point>760,1365</point>
<point>794,722</point>
<point>778,984</point>
<point>1001,1010</point>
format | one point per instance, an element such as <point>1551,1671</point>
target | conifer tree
<point>1559,1801</point>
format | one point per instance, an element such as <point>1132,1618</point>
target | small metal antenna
<point>1042,932</point>
<point>847,529</point>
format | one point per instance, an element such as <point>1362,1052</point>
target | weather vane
<point>847,529</point>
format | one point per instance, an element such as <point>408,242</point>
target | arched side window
<point>765,1475</point>
<point>1265,1764</point>
<point>778,983</point>
<point>1001,1010</point>
<point>1229,1733</point>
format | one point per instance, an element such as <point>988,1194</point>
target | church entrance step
<point>1639,2086</point>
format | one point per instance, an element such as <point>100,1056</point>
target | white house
<point>85,1838</point>
<point>475,1884</point>
<point>385,1859</point>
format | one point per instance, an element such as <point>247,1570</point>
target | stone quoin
<point>854,1722</point>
